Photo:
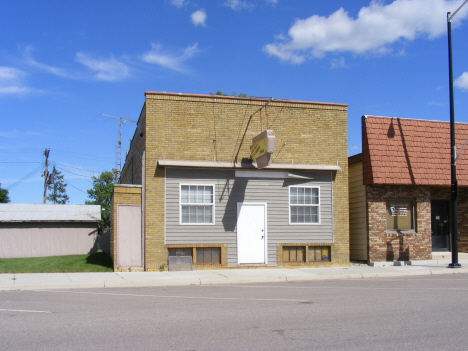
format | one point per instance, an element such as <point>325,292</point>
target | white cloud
<point>14,90</point>
<point>238,5</point>
<point>106,69</point>
<point>373,31</point>
<point>9,74</point>
<point>18,135</point>
<point>198,18</point>
<point>462,81</point>
<point>172,61</point>
<point>284,55</point>
<point>11,81</point>
<point>338,63</point>
<point>271,1</point>
<point>177,3</point>
<point>50,69</point>
<point>435,103</point>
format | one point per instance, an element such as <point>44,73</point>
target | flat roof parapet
<point>243,98</point>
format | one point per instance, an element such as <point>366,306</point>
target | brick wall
<point>132,168</point>
<point>389,246</point>
<point>207,128</point>
<point>462,206</point>
<point>385,246</point>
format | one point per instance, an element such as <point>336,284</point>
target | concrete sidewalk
<point>36,281</point>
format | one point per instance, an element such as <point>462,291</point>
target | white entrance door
<point>251,232</point>
<point>129,236</point>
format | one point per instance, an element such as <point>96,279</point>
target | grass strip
<point>96,262</point>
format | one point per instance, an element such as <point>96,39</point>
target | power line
<point>26,177</point>
<point>21,148</point>
<point>61,151</point>
<point>96,158</point>
<point>81,175</point>
<point>15,149</point>
<point>74,186</point>
<point>19,162</point>
<point>71,153</point>
<point>83,169</point>
<point>67,152</point>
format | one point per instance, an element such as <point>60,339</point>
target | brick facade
<point>408,159</point>
<point>462,220</point>
<point>390,246</point>
<point>133,167</point>
<point>217,128</point>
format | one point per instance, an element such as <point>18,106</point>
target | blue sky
<point>64,63</point>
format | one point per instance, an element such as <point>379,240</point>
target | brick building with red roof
<point>399,190</point>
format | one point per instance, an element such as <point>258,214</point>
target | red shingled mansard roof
<point>411,152</point>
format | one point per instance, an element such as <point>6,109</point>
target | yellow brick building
<point>202,199</point>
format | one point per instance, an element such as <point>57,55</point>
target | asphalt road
<point>407,313</point>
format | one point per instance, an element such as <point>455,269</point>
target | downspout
<point>143,196</point>
<point>333,205</point>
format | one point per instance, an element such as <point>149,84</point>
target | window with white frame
<point>304,205</point>
<point>196,204</point>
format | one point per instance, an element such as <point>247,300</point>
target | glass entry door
<point>440,225</point>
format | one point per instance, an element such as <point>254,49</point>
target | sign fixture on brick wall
<point>263,145</point>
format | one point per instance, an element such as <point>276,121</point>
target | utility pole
<point>453,149</point>
<point>46,173</point>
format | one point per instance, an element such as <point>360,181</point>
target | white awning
<point>231,165</point>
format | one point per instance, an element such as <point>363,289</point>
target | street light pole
<point>453,150</point>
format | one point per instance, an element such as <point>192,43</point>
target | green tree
<point>101,194</point>
<point>219,92</point>
<point>4,198</point>
<point>58,189</point>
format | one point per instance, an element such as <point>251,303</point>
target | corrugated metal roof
<point>49,213</point>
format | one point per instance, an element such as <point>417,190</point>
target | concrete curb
<point>443,262</point>
<point>450,271</point>
<point>214,277</point>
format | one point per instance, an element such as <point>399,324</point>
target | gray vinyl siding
<point>230,190</point>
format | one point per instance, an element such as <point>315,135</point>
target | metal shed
<point>33,230</point>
